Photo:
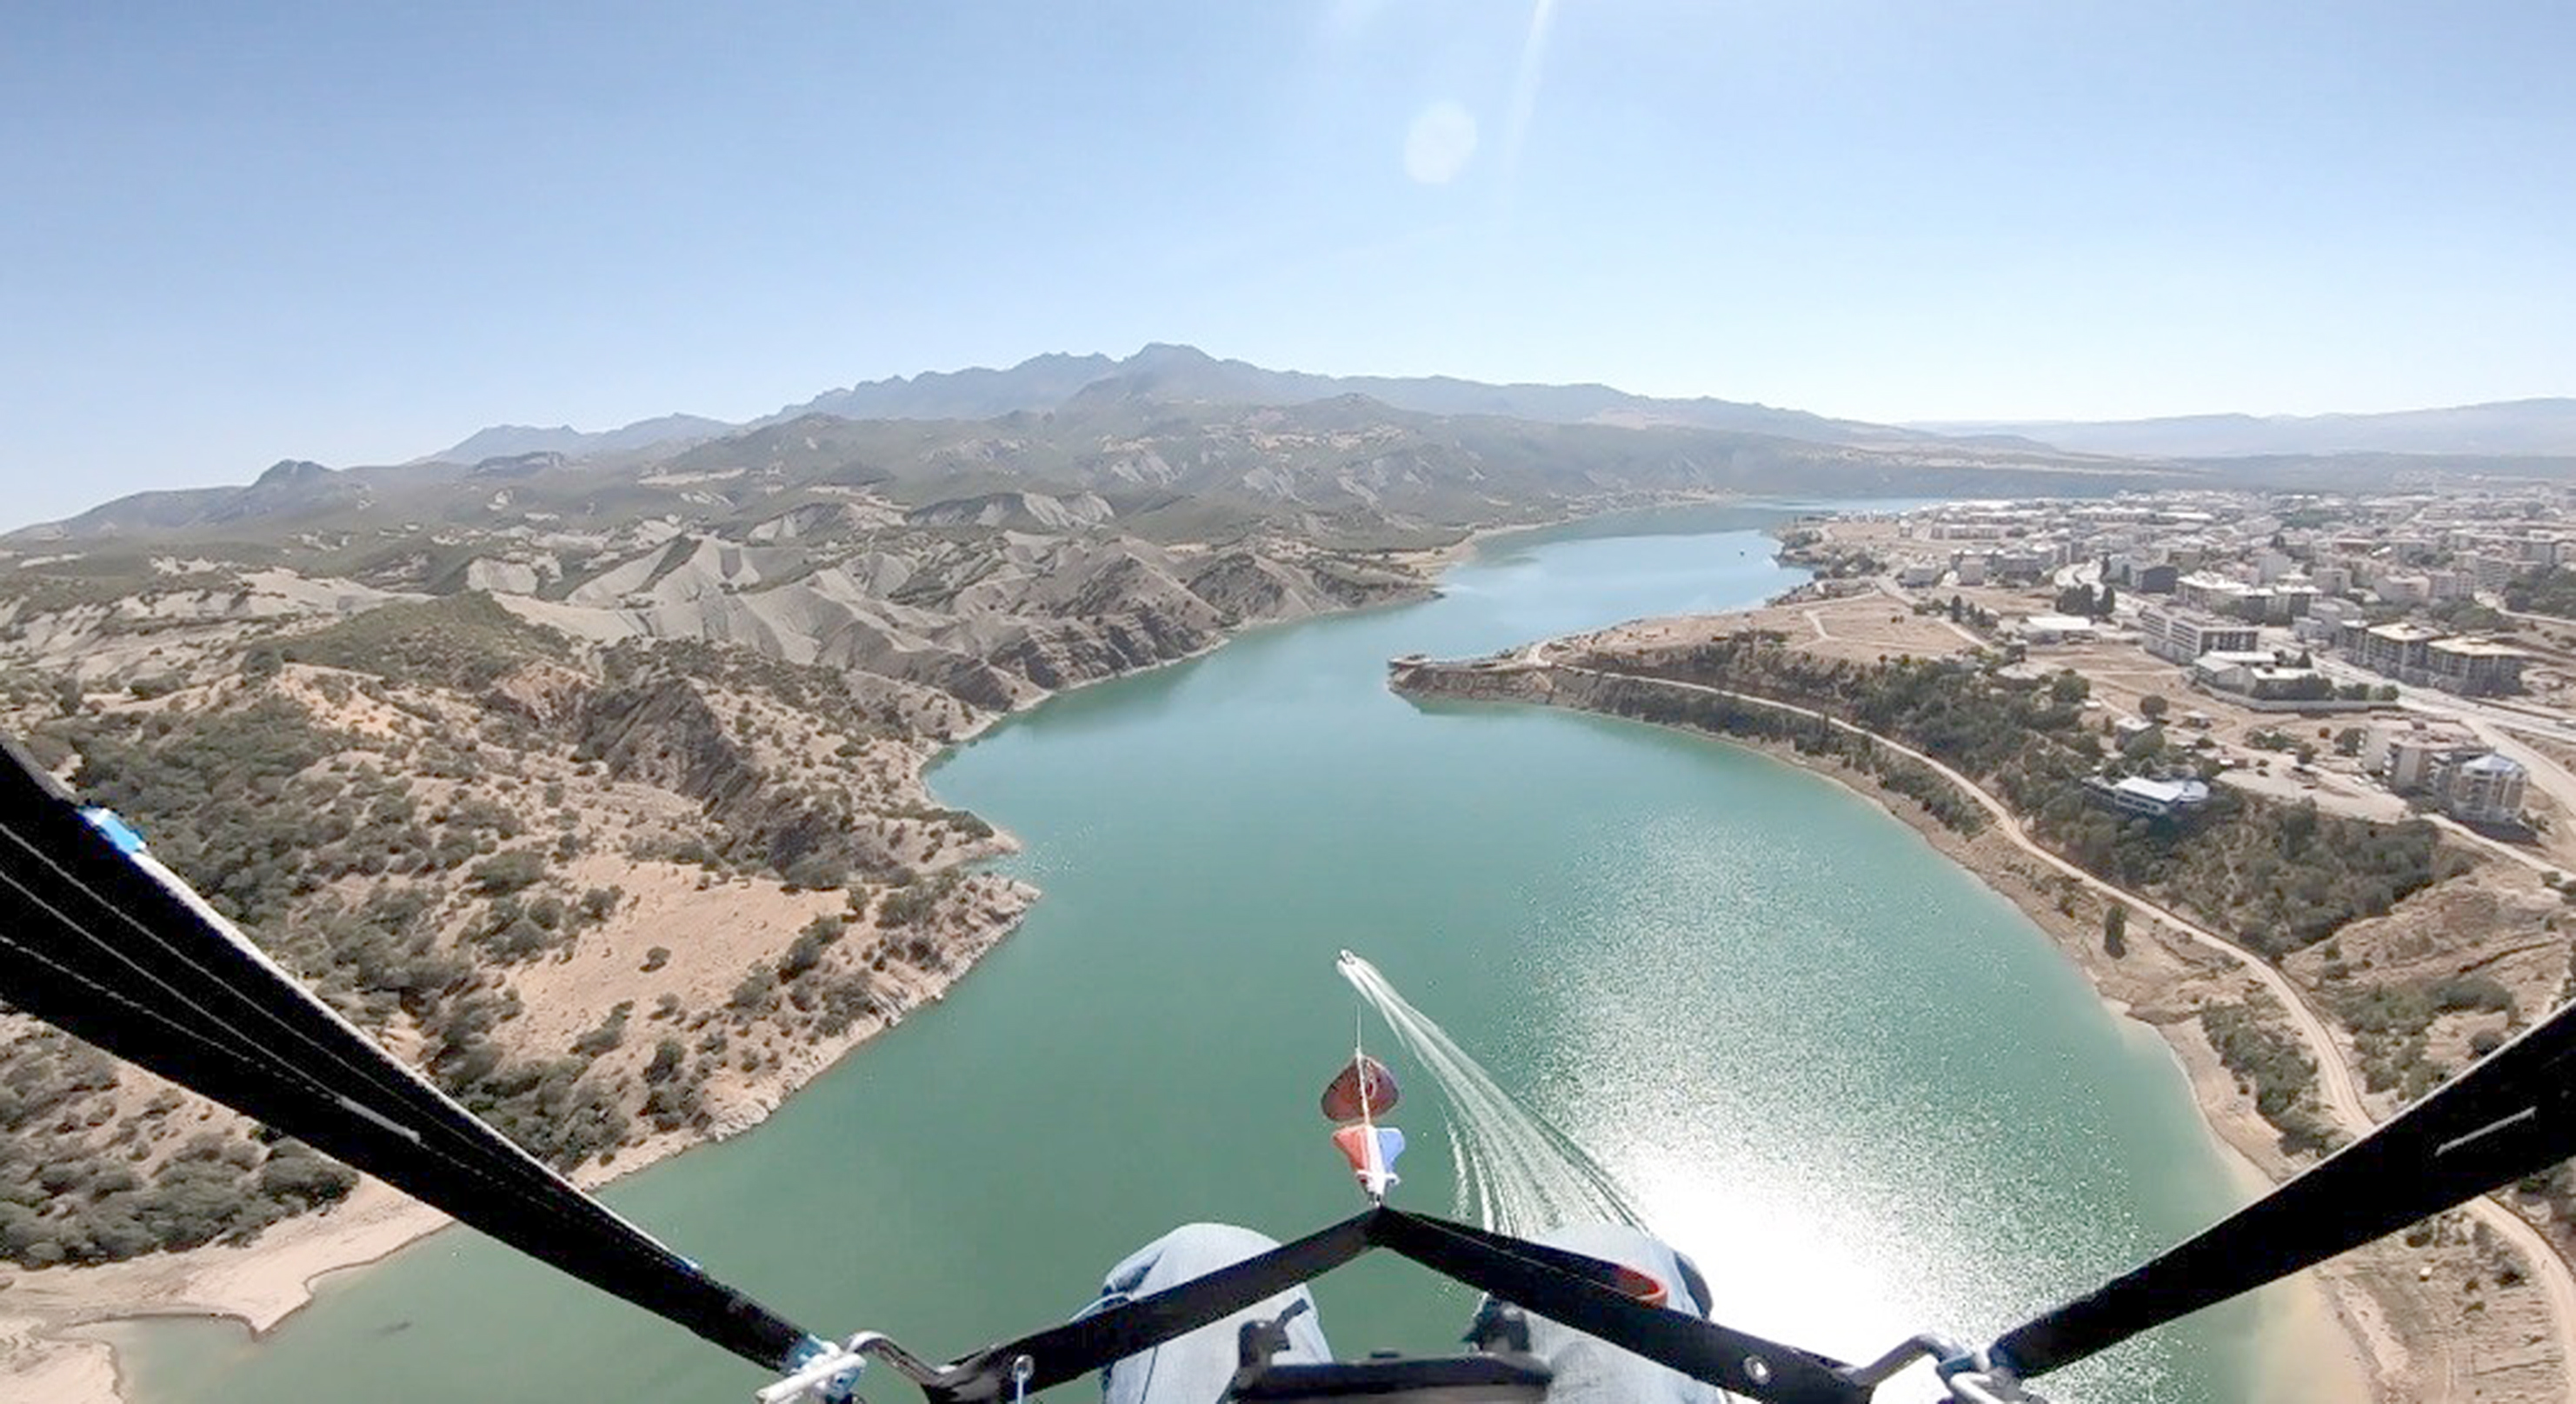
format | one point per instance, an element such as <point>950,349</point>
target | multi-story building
<point>2400,587</point>
<point>2474,667</point>
<point>2023,563</point>
<point>2182,635</point>
<point>2410,760</point>
<point>2424,656</point>
<point>2208,590</point>
<point>2143,577</point>
<point>2493,571</point>
<point>2484,789</point>
<point>2393,649</point>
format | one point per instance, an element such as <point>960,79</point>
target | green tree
<point>2153,706</point>
<point>2115,930</point>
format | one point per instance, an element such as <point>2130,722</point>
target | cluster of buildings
<point>2285,603</point>
<point>2207,573</point>
<point>2427,656</point>
<point>2451,768</point>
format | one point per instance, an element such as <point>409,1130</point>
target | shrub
<point>304,1178</point>
<point>904,906</point>
<point>2279,1073</point>
<point>668,1056</point>
<point>507,872</point>
<point>599,903</point>
<point>610,1033</point>
<point>756,989</point>
<point>818,871</point>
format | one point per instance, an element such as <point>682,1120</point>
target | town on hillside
<point>2382,655</point>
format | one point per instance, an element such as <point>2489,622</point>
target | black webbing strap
<point>2505,1118</point>
<point>1551,1282</point>
<point>1079,1347</point>
<point>1530,1277</point>
<point>92,942</point>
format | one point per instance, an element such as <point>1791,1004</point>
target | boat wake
<point>1516,1174</point>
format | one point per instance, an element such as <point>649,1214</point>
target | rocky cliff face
<point>1478,680</point>
<point>661,732</point>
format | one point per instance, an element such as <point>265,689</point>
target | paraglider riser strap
<point>1561,1286</point>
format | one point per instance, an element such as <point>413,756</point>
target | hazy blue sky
<point>356,232</point>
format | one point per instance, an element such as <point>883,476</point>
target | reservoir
<point>1858,1087</point>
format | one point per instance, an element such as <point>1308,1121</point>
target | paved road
<point>2434,702</point>
<point>2341,1092</point>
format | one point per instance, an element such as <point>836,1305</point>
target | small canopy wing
<point>1362,1091</point>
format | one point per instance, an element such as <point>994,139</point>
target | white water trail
<point>1516,1174</point>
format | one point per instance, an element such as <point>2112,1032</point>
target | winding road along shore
<point>2340,1089</point>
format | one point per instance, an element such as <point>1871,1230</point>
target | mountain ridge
<point>1177,371</point>
<point>1050,421</point>
<point>2538,426</point>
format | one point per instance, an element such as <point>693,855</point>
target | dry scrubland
<point>619,834</point>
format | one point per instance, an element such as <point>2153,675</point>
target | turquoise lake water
<point>1857,1085</point>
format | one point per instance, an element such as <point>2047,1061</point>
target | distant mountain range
<point>2511,427</point>
<point>1142,447</point>
<point>1187,375</point>
<point>518,440</point>
<point>1411,455</point>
